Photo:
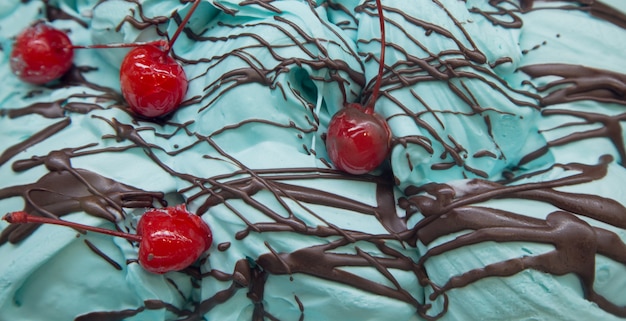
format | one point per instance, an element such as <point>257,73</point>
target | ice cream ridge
<point>498,194</point>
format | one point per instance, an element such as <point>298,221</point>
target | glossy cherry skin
<point>152,82</point>
<point>358,140</point>
<point>41,54</point>
<point>171,239</point>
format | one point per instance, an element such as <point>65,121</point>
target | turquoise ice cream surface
<point>507,124</point>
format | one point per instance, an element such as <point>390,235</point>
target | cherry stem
<point>23,217</point>
<point>158,43</point>
<point>381,64</point>
<point>167,46</point>
<point>182,25</point>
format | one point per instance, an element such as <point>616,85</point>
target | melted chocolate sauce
<point>576,242</point>
<point>99,252</point>
<point>507,13</point>
<point>66,189</point>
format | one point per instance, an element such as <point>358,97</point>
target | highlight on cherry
<point>358,139</point>
<point>152,82</point>
<point>170,239</point>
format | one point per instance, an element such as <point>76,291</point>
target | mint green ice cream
<point>501,198</point>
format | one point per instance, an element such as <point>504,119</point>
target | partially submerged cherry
<point>170,239</point>
<point>41,54</point>
<point>358,139</point>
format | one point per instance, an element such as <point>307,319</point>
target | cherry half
<point>170,239</point>
<point>358,139</point>
<point>41,53</point>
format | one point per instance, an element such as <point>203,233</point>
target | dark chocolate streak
<point>576,242</point>
<point>99,252</point>
<point>37,138</point>
<point>579,83</point>
<point>507,13</point>
<point>452,67</point>
<point>66,189</point>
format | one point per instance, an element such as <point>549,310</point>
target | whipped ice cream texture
<point>501,198</point>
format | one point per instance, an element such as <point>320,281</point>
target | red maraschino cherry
<point>170,239</point>
<point>358,139</point>
<point>41,54</point>
<point>152,82</point>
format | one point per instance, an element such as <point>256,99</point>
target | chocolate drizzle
<point>99,252</point>
<point>446,208</point>
<point>66,190</point>
<point>37,138</point>
<point>579,83</point>
<point>507,13</point>
<point>450,57</point>
<point>576,242</point>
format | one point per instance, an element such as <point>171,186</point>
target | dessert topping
<point>358,139</point>
<point>152,82</point>
<point>170,239</point>
<point>41,53</point>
